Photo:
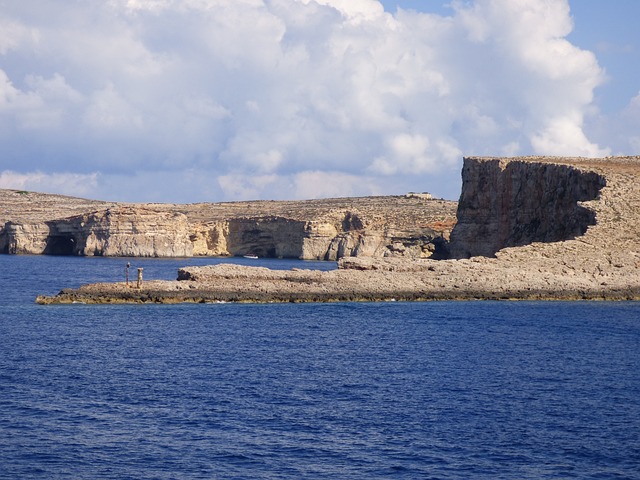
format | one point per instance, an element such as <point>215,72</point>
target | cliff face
<point>24,239</point>
<point>537,201</point>
<point>505,202</point>
<point>318,239</point>
<point>411,226</point>
<point>131,232</point>
<point>118,231</point>
<point>515,202</point>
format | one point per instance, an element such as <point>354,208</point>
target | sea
<point>436,390</point>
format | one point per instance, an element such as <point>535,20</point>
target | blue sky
<point>211,100</point>
<point>608,29</point>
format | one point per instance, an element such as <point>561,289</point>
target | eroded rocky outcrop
<point>601,260</point>
<point>508,202</point>
<point>129,231</point>
<point>414,226</point>
<point>210,238</point>
<point>505,202</point>
<point>116,231</point>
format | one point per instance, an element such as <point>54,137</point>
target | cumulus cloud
<point>196,100</point>
<point>63,183</point>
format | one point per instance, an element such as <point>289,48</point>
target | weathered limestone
<point>511,202</point>
<point>318,239</point>
<point>28,219</point>
<point>24,239</point>
<point>117,231</point>
<point>131,232</point>
<point>601,262</point>
<point>210,239</point>
<point>266,237</point>
<point>315,229</point>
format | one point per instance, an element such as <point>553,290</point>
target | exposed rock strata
<point>410,226</point>
<point>602,263</point>
<point>116,231</point>
<point>513,202</point>
<point>125,231</point>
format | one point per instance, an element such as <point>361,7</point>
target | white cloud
<point>302,185</point>
<point>63,183</point>
<point>284,99</point>
<point>358,10</point>
<point>107,110</point>
<point>327,184</point>
<point>564,136</point>
<point>12,34</point>
<point>238,187</point>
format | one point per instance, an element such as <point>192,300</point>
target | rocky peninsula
<point>527,228</point>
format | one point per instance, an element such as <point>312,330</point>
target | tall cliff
<point>411,226</point>
<point>508,202</point>
<point>578,221</point>
<point>116,231</point>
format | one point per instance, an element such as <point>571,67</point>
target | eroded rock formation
<point>116,231</point>
<point>410,226</point>
<point>127,231</point>
<point>509,202</point>
<point>600,260</point>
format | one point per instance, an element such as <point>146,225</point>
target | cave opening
<point>60,245</point>
<point>441,249</point>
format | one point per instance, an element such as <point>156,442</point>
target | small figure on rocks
<point>126,273</point>
<point>139,278</point>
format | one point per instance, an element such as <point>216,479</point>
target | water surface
<point>370,390</point>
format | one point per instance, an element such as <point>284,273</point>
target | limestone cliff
<point>508,202</point>
<point>594,202</point>
<point>210,239</point>
<point>411,226</point>
<point>117,231</point>
<point>128,231</point>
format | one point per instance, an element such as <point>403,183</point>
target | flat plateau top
<point>628,164</point>
<point>399,211</point>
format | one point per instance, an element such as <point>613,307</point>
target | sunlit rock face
<point>518,201</point>
<point>24,238</point>
<point>329,236</point>
<point>505,202</point>
<point>412,226</point>
<point>118,231</point>
<point>266,237</point>
<point>130,232</point>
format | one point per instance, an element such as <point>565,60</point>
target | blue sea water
<point>445,390</point>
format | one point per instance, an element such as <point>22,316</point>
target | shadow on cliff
<point>520,202</point>
<point>60,243</point>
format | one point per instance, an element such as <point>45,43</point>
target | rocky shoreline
<point>240,284</point>
<point>534,229</point>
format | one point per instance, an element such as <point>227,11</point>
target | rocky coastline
<point>534,228</point>
<point>353,282</point>
<point>411,225</point>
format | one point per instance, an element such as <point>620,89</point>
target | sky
<point>217,100</point>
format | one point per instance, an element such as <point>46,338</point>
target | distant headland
<point>412,225</point>
<point>524,228</point>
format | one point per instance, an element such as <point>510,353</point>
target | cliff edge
<point>510,202</point>
<point>548,228</point>
<point>412,225</point>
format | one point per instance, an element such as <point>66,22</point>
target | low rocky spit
<point>361,280</point>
